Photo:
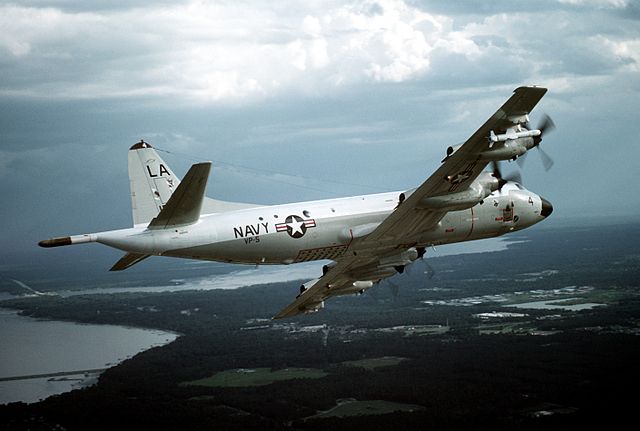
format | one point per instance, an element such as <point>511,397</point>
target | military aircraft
<point>367,238</point>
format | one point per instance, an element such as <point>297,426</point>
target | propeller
<point>430,271</point>
<point>394,289</point>
<point>409,269</point>
<point>547,161</point>
<point>515,177</point>
<point>546,125</point>
<point>422,261</point>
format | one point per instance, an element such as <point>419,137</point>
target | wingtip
<point>529,88</point>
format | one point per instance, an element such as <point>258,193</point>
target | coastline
<point>40,349</point>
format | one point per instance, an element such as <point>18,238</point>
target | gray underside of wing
<point>408,220</point>
<point>128,260</point>
<point>322,289</point>
<point>403,227</point>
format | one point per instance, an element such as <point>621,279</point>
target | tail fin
<point>153,182</point>
<point>185,204</point>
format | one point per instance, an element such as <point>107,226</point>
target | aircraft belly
<point>324,239</point>
<point>298,240</point>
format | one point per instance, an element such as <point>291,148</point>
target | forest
<point>540,368</point>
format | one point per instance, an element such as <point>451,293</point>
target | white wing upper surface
<point>402,228</point>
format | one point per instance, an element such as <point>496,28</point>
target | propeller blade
<point>496,169</point>
<point>394,288</point>
<point>547,161</point>
<point>515,177</point>
<point>520,160</point>
<point>546,124</point>
<point>430,271</point>
<point>497,174</point>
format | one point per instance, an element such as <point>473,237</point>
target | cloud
<point>357,91</point>
<point>623,53</point>
<point>211,52</point>
<point>605,4</point>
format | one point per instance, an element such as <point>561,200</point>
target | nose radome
<point>547,208</point>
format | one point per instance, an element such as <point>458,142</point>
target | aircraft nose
<point>547,208</point>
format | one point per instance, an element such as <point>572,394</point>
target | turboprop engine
<point>508,149</point>
<point>517,140</point>
<point>482,187</point>
<point>513,143</point>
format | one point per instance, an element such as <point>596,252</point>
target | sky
<point>303,100</point>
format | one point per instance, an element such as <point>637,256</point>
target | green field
<point>363,408</point>
<point>373,363</point>
<point>245,377</point>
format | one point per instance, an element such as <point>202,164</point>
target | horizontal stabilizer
<point>128,260</point>
<point>185,204</point>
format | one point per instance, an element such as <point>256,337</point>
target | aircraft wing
<point>330,284</point>
<point>455,174</point>
<point>364,259</point>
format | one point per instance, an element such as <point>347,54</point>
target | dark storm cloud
<point>303,101</point>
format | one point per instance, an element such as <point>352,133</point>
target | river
<point>33,346</point>
<point>246,275</point>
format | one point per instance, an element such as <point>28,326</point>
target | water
<point>265,274</point>
<point>245,276</point>
<point>556,304</point>
<point>32,346</point>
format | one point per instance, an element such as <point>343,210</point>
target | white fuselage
<point>304,231</point>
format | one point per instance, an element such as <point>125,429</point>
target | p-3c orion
<point>368,238</point>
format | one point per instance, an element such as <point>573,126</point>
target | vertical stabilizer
<point>151,180</point>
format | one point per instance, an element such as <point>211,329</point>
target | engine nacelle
<point>507,150</point>
<point>404,258</point>
<point>512,134</point>
<point>509,145</point>
<point>482,187</point>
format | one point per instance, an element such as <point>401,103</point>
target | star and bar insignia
<point>295,226</point>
